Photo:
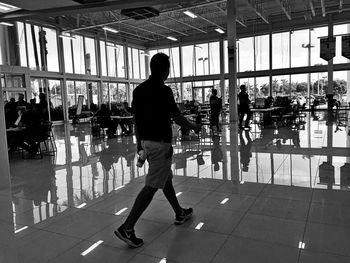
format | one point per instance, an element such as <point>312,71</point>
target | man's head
<point>20,96</point>
<point>214,92</point>
<point>160,65</point>
<point>243,88</point>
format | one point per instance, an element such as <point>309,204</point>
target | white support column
<point>348,77</point>
<point>270,60</point>
<point>181,74</point>
<point>7,246</point>
<point>232,58</point>
<point>222,71</point>
<point>330,64</point>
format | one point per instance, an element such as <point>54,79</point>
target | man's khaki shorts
<point>159,160</point>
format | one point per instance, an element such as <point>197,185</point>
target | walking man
<point>215,109</point>
<point>154,106</point>
<point>244,102</point>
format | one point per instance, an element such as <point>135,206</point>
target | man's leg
<point>249,115</point>
<point>241,116</point>
<point>181,215</point>
<point>170,195</point>
<point>126,231</point>
<point>142,201</point>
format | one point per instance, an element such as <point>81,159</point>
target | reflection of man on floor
<point>245,150</point>
<point>216,153</point>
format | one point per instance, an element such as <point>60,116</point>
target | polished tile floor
<point>271,194</point>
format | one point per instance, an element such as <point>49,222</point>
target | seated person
<point>103,116</point>
<point>11,113</point>
<point>121,111</point>
<point>28,137</point>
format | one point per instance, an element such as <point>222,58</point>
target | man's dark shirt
<point>154,105</point>
<point>244,101</point>
<point>215,104</point>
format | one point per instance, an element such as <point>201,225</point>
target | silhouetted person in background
<point>215,109</point>
<point>244,108</point>
<point>43,107</point>
<point>11,113</point>
<point>21,102</point>
<point>104,119</point>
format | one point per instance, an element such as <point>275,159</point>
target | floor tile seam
<point>267,241</point>
<point>263,241</point>
<point>49,223</point>
<point>277,217</point>
<point>282,162</point>
<point>159,234</point>
<point>60,233</point>
<point>143,254</point>
<point>195,173</point>
<point>226,209</point>
<point>249,238</point>
<point>246,211</point>
<point>65,251</point>
<point>70,235</point>
<point>324,252</point>
<point>285,198</point>
<point>205,196</point>
<point>327,224</point>
<point>317,172</point>
<point>307,220</point>
<point>52,232</point>
<point>328,203</point>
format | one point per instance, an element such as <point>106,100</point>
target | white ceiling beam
<point>186,24</point>
<point>323,7</point>
<point>241,22</point>
<point>142,29</point>
<point>286,8</point>
<point>312,8</point>
<point>168,28</point>
<point>209,21</point>
<point>258,9</point>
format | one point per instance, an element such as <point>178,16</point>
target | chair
<point>46,136</point>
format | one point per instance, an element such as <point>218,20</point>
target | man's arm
<point>183,122</point>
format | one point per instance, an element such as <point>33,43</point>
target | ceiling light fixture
<point>6,24</point>
<point>190,14</point>
<point>7,8</point>
<point>110,29</point>
<point>172,38</point>
<point>67,36</point>
<point>219,30</point>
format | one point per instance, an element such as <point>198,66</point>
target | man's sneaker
<point>187,214</point>
<point>128,237</point>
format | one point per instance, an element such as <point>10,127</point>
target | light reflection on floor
<point>311,154</point>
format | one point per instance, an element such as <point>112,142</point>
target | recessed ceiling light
<point>110,29</point>
<point>5,8</point>
<point>67,36</point>
<point>6,24</point>
<point>172,38</point>
<point>219,30</point>
<point>190,14</point>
